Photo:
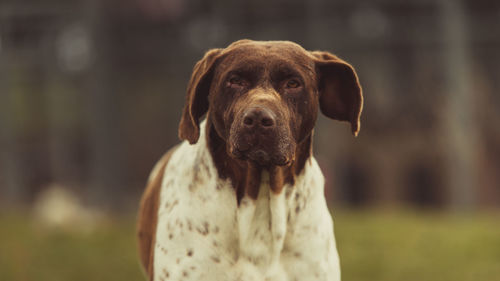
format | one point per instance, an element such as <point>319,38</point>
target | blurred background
<point>91,94</point>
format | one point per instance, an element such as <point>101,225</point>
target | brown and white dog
<point>241,199</point>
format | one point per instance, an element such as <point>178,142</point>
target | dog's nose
<point>259,117</point>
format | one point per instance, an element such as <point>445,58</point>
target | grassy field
<point>373,245</point>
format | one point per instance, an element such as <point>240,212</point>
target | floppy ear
<point>197,97</point>
<point>340,94</point>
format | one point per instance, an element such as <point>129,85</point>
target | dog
<point>242,197</point>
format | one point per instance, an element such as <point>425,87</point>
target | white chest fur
<point>202,234</point>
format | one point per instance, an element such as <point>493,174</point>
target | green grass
<point>373,245</point>
<point>418,246</point>
<point>31,253</point>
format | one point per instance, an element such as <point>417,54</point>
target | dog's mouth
<point>261,157</point>
<point>265,150</point>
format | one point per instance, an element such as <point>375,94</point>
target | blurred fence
<point>91,93</point>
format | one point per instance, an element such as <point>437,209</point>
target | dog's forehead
<point>268,46</point>
<point>267,54</point>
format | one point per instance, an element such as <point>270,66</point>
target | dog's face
<point>263,101</point>
<point>262,98</point>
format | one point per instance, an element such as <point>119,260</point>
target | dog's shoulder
<point>148,209</point>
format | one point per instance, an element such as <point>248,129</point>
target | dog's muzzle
<point>258,136</point>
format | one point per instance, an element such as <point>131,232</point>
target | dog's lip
<point>260,157</point>
<point>237,153</point>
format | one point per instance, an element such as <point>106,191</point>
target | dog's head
<point>262,98</point>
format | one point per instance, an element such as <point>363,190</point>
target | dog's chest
<point>202,234</point>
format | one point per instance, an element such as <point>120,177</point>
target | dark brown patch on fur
<point>215,259</point>
<point>197,180</point>
<point>148,217</point>
<point>164,250</point>
<point>277,178</point>
<point>203,229</point>
<point>169,206</point>
<point>166,273</point>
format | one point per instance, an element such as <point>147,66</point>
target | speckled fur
<point>202,233</point>
<point>243,202</point>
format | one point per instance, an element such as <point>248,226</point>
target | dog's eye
<point>292,84</point>
<point>236,82</point>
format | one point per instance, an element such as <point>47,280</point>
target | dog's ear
<point>197,97</point>
<point>340,94</point>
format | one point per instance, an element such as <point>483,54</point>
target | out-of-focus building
<point>91,93</point>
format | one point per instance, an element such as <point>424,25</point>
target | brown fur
<point>329,83</point>
<point>148,215</point>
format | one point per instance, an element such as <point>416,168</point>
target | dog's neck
<point>246,176</point>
